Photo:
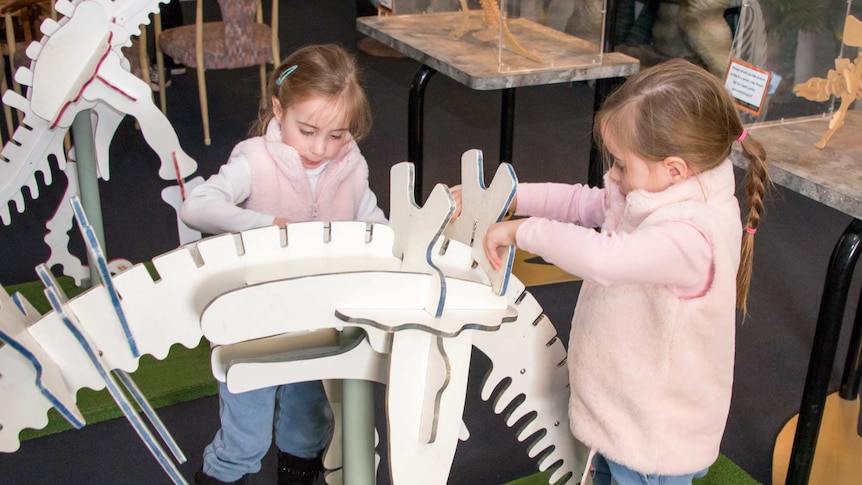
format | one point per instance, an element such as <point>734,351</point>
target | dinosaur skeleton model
<point>78,65</point>
<point>421,290</point>
<point>493,19</point>
<point>845,81</point>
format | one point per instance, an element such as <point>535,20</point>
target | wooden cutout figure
<point>118,391</point>
<point>57,237</point>
<point>174,196</point>
<point>418,228</point>
<point>235,289</point>
<point>482,208</point>
<point>98,256</point>
<point>78,65</point>
<point>845,81</point>
<point>48,377</point>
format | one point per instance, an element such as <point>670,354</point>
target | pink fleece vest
<point>651,373</point>
<point>280,186</point>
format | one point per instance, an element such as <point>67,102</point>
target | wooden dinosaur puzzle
<point>78,65</point>
<point>845,81</point>
<point>494,20</point>
<point>420,289</point>
<point>419,292</point>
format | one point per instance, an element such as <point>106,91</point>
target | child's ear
<point>276,108</point>
<point>676,168</point>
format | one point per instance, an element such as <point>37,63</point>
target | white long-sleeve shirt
<point>221,204</point>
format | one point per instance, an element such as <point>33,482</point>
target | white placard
<point>748,85</point>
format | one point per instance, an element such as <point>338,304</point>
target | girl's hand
<point>500,235</point>
<point>280,221</point>
<point>512,206</point>
<point>456,194</point>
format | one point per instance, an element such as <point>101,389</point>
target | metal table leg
<point>415,118</point>
<point>596,170</point>
<point>850,380</point>
<point>507,125</point>
<point>604,87</point>
<point>415,125</point>
<point>824,347</point>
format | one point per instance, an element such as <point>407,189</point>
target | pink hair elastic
<point>742,136</point>
<point>750,230</point>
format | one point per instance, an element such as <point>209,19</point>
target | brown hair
<point>325,70</point>
<point>679,109</point>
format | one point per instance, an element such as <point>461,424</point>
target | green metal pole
<point>357,425</point>
<point>88,181</point>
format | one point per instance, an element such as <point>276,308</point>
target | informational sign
<point>748,84</point>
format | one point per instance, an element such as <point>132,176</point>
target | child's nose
<point>318,146</point>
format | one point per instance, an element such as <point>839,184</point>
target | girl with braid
<point>651,349</point>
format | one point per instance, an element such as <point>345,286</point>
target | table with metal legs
<point>826,176</point>
<point>426,39</point>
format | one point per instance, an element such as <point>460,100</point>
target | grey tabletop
<point>473,58</point>
<point>831,175</point>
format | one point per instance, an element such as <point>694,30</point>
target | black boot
<point>293,470</point>
<point>202,478</point>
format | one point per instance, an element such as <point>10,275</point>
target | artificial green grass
<point>157,379</point>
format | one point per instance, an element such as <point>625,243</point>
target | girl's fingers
<point>492,255</point>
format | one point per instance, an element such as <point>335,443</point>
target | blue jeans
<point>608,472</point>
<point>297,414</point>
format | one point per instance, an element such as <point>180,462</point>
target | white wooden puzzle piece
<point>174,196</point>
<point>28,152</point>
<point>540,377</point>
<point>68,61</point>
<point>417,229</point>
<point>482,207</point>
<point>425,404</point>
<point>47,377</point>
<point>355,265</point>
<point>373,300</point>
<point>97,255</point>
<point>57,235</point>
<point>78,65</point>
<point>245,369</point>
<point>59,303</point>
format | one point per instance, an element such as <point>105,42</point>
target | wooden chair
<point>240,39</point>
<point>7,111</point>
<point>21,21</point>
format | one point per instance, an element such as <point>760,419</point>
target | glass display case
<point>504,35</point>
<point>809,52</point>
<point>804,76</point>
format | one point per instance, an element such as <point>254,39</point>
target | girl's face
<point>631,172</point>
<point>316,127</point>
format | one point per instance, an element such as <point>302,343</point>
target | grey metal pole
<point>357,425</point>
<point>88,181</point>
